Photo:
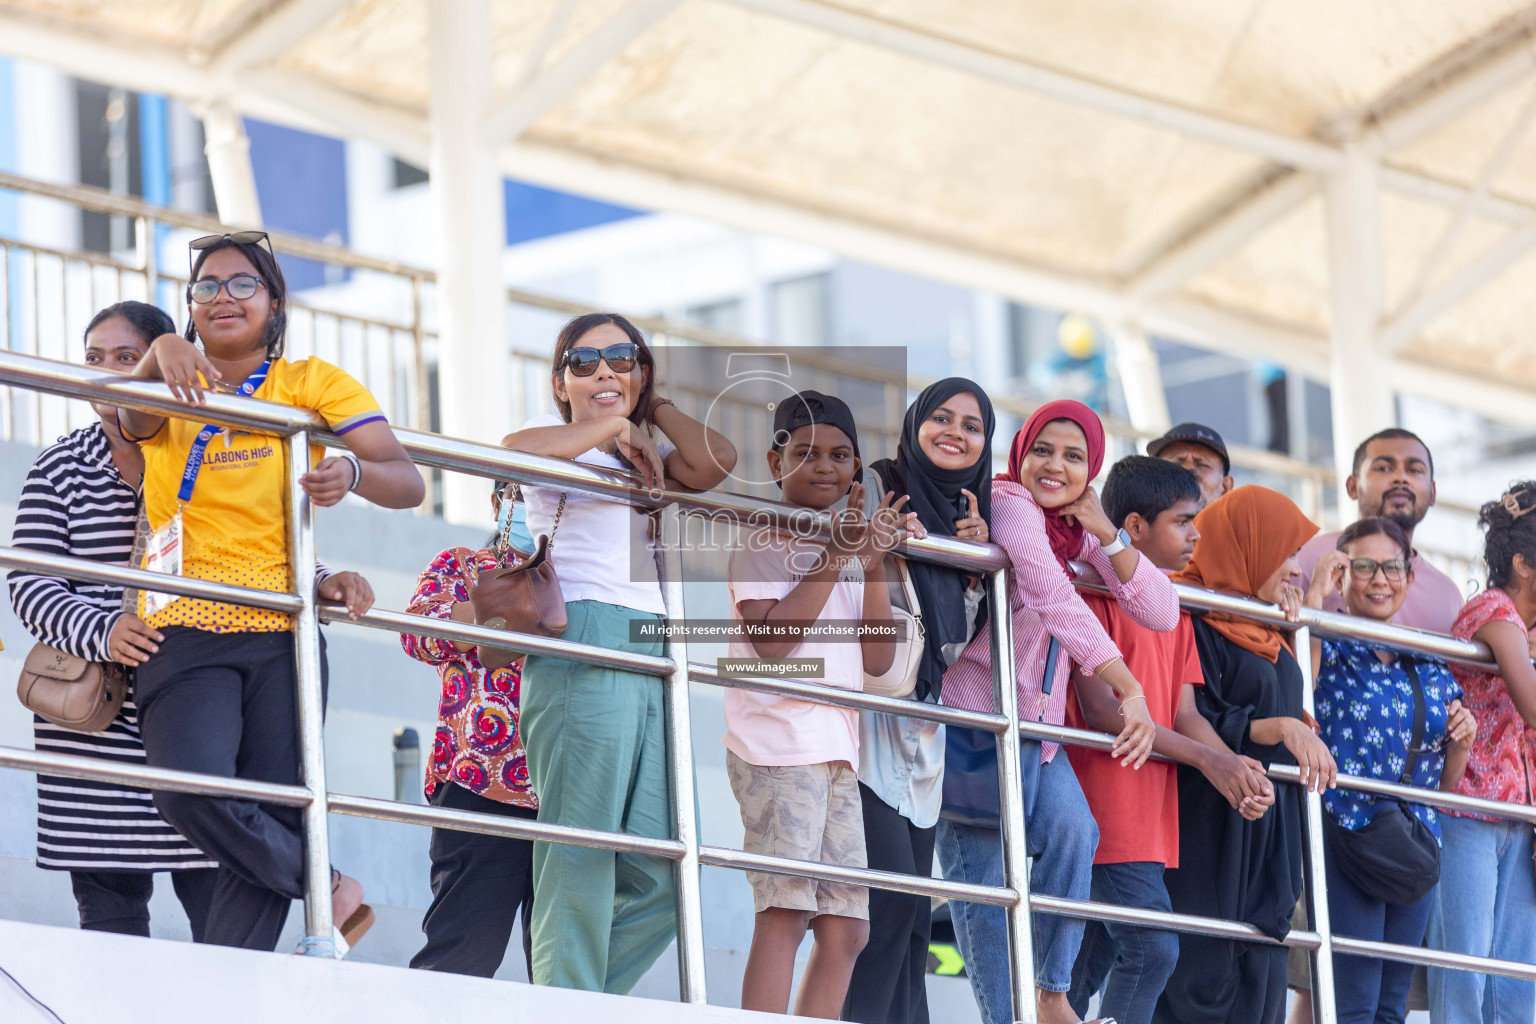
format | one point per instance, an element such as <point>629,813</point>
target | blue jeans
<point>1130,965</point>
<point>1062,838</point>
<point>1367,990</point>
<point>1485,905</point>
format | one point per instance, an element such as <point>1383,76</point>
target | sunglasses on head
<point>1395,570</point>
<point>197,245</point>
<point>582,361</point>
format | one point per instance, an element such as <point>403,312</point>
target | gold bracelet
<point>1121,708</point>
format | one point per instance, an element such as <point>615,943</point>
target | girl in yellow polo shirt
<point>218,693</point>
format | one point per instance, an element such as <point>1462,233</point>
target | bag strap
<point>1419,714</point>
<point>559,511</point>
<point>1049,679</point>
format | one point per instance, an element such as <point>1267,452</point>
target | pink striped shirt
<point>1045,604</point>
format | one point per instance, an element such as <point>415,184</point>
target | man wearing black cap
<point>1200,450</point>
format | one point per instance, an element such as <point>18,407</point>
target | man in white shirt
<point>1394,478</point>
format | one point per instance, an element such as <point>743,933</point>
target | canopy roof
<point>1161,163</point>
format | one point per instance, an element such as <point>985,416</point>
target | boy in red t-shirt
<point>1155,502</point>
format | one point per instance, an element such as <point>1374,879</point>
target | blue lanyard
<point>200,444</point>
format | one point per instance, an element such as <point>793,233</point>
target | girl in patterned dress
<point>1365,712</point>
<point>1486,902</point>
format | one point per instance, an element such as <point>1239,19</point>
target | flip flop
<point>355,927</point>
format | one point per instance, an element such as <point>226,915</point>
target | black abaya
<point>1229,868</point>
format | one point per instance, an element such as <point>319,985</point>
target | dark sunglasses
<point>1395,570</point>
<point>238,237</point>
<point>241,286</point>
<point>582,361</point>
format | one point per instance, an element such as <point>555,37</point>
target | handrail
<point>436,450</point>
<point>75,381</point>
<point>1333,625</point>
<point>101,200</point>
<point>300,427</point>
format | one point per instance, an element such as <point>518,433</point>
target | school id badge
<point>163,555</point>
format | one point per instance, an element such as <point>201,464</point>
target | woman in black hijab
<point>944,465</point>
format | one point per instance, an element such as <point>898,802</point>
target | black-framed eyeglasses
<point>240,286</point>
<point>1395,569</point>
<point>197,245</point>
<point>582,361</point>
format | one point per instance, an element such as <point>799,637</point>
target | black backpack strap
<point>1419,714</point>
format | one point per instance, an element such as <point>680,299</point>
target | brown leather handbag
<point>526,597</point>
<point>71,692</point>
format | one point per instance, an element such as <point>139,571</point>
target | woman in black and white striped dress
<point>81,499</point>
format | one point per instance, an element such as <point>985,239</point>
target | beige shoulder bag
<point>71,692</point>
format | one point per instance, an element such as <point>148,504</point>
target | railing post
<point>1323,1005</point>
<point>680,777</point>
<point>1021,941</point>
<point>149,258</point>
<point>318,939</point>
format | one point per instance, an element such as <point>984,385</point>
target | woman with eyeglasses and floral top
<point>1366,713</point>
<point>1486,902</point>
<point>218,691</point>
<point>595,736</point>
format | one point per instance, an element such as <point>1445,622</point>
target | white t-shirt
<point>769,730</point>
<point>601,550</point>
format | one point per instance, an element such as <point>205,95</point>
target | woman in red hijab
<point>1230,867</point>
<point>1045,513</point>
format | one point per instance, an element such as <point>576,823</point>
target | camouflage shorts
<point>808,812</point>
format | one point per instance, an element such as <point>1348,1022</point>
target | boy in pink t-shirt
<point>793,763</point>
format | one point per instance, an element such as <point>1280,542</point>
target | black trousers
<point>226,704</point>
<point>479,884</point>
<point>890,977</point>
<point>118,901</point>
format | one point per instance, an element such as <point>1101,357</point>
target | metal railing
<point>298,427</point>
<point>51,293</point>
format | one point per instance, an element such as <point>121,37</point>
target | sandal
<point>354,927</point>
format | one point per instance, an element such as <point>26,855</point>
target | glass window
<point>801,310</point>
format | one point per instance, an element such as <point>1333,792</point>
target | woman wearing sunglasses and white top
<point>595,736</point>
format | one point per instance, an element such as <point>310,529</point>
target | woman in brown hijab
<point>1229,867</point>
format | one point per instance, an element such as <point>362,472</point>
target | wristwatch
<point>1120,543</point>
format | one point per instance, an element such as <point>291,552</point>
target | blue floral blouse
<point>1365,712</point>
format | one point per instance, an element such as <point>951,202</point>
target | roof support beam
<point>1195,322</point>
<point>542,93</point>
<point>1494,399</point>
<point>1425,189</point>
<point>1361,393</point>
<point>1205,245</point>
<point>262,39</point>
<point>1141,377</point>
<point>469,227</point>
<point>1406,325</point>
<point>1286,149</point>
<point>229,166</point>
<point>544,42</point>
<point>1463,214</point>
<point>1449,93</point>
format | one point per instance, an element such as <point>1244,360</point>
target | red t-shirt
<point>1138,811</point>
